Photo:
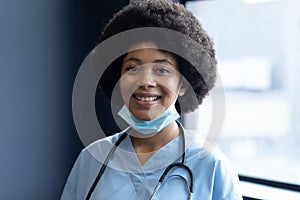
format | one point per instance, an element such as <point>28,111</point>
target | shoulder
<point>202,152</point>
<point>210,164</point>
<point>104,141</point>
<point>86,167</point>
<point>100,147</point>
<point>198,148</point>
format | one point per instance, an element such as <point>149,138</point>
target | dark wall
<point>42,46</point>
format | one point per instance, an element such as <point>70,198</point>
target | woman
<point>155,157</point>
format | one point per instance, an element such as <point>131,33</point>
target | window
<point>258,50</point>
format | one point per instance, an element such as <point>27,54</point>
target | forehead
<point>148,52</point>
<point>143,45</point>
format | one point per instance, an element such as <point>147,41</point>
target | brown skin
<point>149,85</point>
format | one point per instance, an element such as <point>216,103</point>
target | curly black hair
<point>199,70</point>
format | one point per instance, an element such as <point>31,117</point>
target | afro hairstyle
<point>200,73</point>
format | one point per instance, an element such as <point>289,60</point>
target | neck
<point>146,147</point>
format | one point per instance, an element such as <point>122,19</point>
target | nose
<point>146,78</point>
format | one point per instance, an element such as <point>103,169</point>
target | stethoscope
<point>161,179</point>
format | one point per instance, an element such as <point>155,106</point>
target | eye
<point>132,69</point>
<point>162,70</point>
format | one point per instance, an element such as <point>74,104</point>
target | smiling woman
<point>150,82</point>
<point>155,157</point>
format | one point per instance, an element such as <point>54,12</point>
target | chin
<point>145,115</point>
<point>143,118</point>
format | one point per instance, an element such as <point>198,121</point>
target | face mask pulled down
<point>152,126</point>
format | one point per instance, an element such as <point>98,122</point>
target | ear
<point>183,88</point>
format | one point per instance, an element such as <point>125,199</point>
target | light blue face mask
<point>152,126</point>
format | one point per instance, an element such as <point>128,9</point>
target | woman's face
<point>150,81</point>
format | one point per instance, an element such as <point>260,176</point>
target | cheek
<point>171,86</point>
<point>126,88</point>
<point>123,87</point>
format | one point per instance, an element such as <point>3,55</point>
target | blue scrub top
<point>125,178</point>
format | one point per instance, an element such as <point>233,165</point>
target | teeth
<point>146,98</point>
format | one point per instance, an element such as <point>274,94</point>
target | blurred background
<point>258,50</point>
<point>43,43</point>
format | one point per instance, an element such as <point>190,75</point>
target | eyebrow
<point>163,61</point>
<point>155,61</point>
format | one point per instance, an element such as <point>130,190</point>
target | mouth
<point>146,98</point>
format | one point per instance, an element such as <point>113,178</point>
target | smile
<point>146,99</point>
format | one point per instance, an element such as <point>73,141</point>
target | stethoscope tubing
<point>100,173</point>
<point>161,179</point>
